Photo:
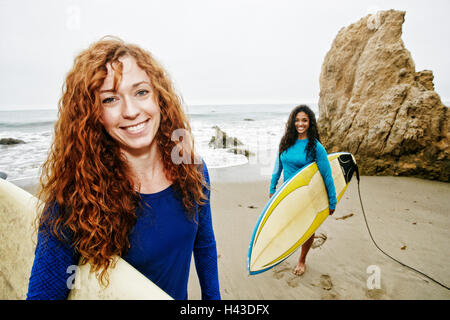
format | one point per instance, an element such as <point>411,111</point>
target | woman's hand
<point>332,211</point>
<point>270,195</point>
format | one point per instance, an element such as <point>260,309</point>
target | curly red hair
<point>86,174</point>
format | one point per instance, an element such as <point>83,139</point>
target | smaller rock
<point>236,150</point>
<point>221,140</point>
<point>10,141</point>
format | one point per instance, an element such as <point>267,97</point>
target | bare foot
<point>299,269</point>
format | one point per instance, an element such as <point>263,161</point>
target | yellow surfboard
<point>295,211</point>
<point>18,241</point>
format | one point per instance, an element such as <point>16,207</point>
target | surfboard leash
<point>376,245</point>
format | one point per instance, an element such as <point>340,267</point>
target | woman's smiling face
<point>130,115</point>
<point>302,124</point>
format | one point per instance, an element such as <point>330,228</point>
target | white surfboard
<point>17,245</point>
<point>295,211</point>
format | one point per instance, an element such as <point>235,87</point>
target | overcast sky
<point>217,52</point>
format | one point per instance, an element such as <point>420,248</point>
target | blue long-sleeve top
<point>295,158</point>
<point>161,247</point>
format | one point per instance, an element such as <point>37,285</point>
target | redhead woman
<point>299,147</point>
<point>113,183</point>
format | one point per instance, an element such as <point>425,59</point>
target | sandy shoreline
<point>402,212</point>
<point>408,218</point>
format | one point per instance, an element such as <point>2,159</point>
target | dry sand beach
<point>408,218</point>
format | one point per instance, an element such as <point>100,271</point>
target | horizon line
<point>203,104</point>
<point>445,102</point>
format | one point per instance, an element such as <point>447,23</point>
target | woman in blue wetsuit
<point>299,147</point>
<point>120,180</point>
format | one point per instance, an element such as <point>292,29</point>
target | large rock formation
<point>375,105</point>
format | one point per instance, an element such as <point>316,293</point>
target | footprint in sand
<point>375,294</point>
<point>293,281</point>
<point>325,282</point>
<point>330,295</point>
<point>327,285</point>
<point>280,270</point>
<point>283,269</point>
<point>319,240</point>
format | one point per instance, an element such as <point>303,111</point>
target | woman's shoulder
<point>50,212</point>
<point>319,144</point>
<point>205,170</point>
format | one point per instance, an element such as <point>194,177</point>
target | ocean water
<point>35,128</point>
<point>258,127</point>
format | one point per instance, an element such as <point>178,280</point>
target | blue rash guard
<point>294,159</point>
<point>161,246</point>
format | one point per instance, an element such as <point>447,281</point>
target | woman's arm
<point>325,170</point>
<point>51,269</point>
<point>205,252</point>
<point>275,175</point>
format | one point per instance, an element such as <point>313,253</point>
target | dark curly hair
<point>291,134</point>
